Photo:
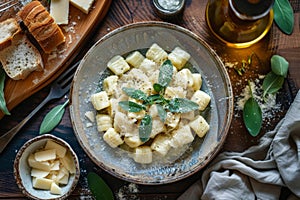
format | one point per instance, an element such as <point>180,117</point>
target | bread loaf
<point>8,29</point>
<point>20,58</point>
<point>41,26</point>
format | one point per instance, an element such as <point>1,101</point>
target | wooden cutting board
<point>76,32</point>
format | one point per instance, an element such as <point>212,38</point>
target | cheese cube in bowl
<point>46,167</point>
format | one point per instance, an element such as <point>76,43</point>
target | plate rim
<point>221,138</point>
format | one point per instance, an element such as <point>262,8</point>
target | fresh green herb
<point>136,94</point>
<point>53,118</point>
<point>176,105</point>
<point>161,112</point>
<point>252,115</point>
<point>165,73</point>
<point>158,88</point>
<point>279,65</point>
<point>275,79</point>
<point>272,83</point>
<point>3,107</point>
<point>98,187</point>
<point>245,65</point>
<point>145,128</point>
<point>131,106</point>
<point>155,98</point>
<point>284,16</point>
<point>181,105</point>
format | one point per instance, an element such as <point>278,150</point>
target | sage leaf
<point>53,118</point>
<point>3,107</point>
<point>155,98</point>
<point>279,65</point>
<point>136,94</point>
<point>272,83</point>
<point>284,16</point>
<point>252,116</point>
<point>131,106</point>
<point>165,73</point>
<point>182,105</point>
<point>98,187</point>
<point>145,128</point>
<point>161,112</point>
<point>158,88</point>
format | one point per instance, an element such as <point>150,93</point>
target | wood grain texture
<point>123,12</point>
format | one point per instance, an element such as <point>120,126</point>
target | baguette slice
<point>41,26</point>
<point>8,29</point>
<point>21,58</point>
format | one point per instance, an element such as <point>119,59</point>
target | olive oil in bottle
<point>236,24</point>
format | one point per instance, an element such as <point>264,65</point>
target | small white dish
<point>22,170</point>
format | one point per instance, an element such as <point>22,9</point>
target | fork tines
<point>6,5</point>
<point>67,76</point>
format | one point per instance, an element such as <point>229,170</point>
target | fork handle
<point>6,137</point>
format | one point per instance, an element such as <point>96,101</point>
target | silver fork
<point>6,5</point>
<point>58,89</point>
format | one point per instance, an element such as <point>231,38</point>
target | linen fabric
<point>261,171</point>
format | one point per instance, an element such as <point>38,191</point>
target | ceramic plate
<point>216,83</point>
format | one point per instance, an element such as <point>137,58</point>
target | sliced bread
<point>41,26</point>
<point>8,29</point>
<point>20,58</point>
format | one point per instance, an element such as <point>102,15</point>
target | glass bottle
<point>239,23</point>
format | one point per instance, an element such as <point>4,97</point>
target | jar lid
<point>167,9</point>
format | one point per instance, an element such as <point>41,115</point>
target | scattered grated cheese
<point>268,106</point>
<point>128,192</point>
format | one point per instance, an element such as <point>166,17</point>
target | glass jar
<point>239,23</point>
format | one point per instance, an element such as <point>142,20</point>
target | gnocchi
<point>170,129</point>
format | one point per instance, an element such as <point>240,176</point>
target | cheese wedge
<point>59,10</point>
<point>60,150</point>
<point>83,5</point>
<point>55,189</point>
<point>45,155</point>
<point>42,183</point>
<point>38,165</point>
<point>39,173</point>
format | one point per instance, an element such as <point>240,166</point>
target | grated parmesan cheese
<point>268,105</point>
<point>128,192</point>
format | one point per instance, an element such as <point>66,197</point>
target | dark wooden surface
<point>123,12</point>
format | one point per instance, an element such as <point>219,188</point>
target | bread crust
<point>51,43</point>
<point>27,9</point>
<point>41,21</point>
<point>41,26</point>
<point>7,34</point>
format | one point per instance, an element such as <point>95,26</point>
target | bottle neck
<point>250,9</point>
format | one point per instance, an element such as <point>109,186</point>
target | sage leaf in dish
<point>53,118</point>
<point>145,128</point>
<point>155,98</point>
<point>131,106</point>
<point>3,107</point>
<point>252,116</point>
<point>182,105</point>
<point>165,73</point>
<point>272,83</point>
<point>161,112</point>
<point>284,16</point>
<point>98,187</point>
<point>136,94</point>
<point>158,88</point>
<point>279,65</point>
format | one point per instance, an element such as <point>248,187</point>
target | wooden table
<point>124,12</point>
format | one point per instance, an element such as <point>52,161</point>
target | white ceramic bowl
<point>140,36</point>
<point>22,169</point>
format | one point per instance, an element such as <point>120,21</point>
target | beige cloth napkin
<point>259,172</point>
